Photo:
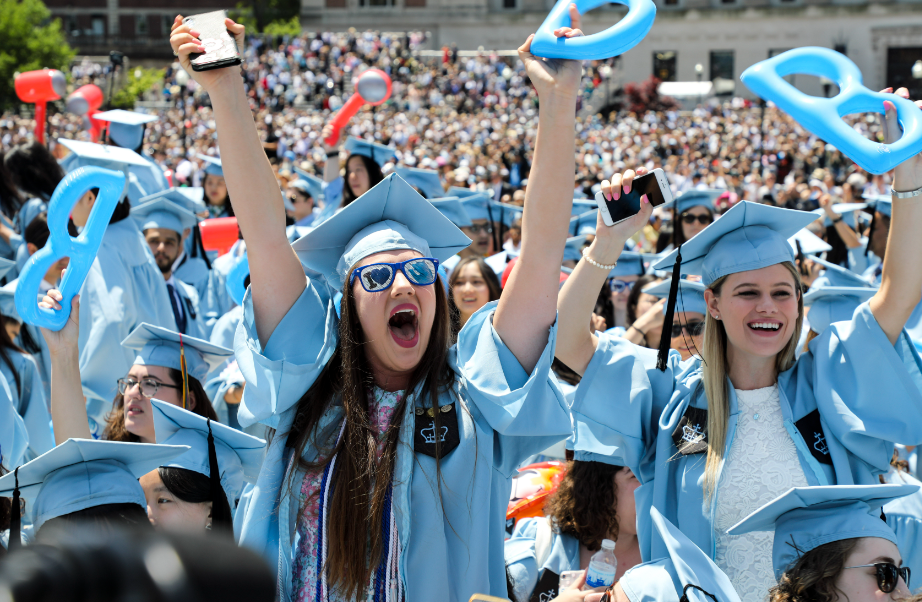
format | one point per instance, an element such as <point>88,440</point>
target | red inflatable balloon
<point>39,87</point>
<point>219,234</point>
<point>372,87</point>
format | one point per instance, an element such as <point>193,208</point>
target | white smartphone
<point>653,184</point>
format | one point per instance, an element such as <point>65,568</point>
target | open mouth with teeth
<point>765,327</point>
<point>404,325</point>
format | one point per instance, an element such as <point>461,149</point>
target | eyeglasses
<point>478,228</point>
<point>619,286</point>
<point>692,328</point>
<point>887,574</point>
<point>690,219</point>
<point>149,386</point>
<point>377,277</point>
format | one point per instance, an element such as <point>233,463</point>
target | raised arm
<point>275,273</point>
<point>575,342</point>
<point>68,406</point>
<point>528,305</point>
<point>901,280</point>
<point>849,237</point>
<point>331,167</point>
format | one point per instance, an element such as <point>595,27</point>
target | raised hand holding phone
<point>185,40</point>
<point>609,239</point>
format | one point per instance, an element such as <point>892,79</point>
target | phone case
<point>220,47</point>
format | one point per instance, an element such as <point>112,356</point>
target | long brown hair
<point>489,277</point>
<point>584,504</point>
<point>813,576</point>
<point>715,370</point>
<point>115,420</point>
<point>361,483</point>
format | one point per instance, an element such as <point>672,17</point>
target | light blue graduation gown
<point>865,392</point>
<point>194,271</point>
<point>904,515</point>
<point>504,416</point>
<point>521,556</point>
<point>14,436</point>
<point>123,288</point>
<point>42,356</point>
<point>151,178</point>
<point>30,402</point>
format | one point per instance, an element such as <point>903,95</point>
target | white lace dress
<point>761,465</point>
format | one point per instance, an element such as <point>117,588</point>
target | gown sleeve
<point>868,391</point>
<point>278,375</point>
<point>521,558</point>
<point>528,412</point>
<point>619,401</point>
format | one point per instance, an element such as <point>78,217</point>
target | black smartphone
<point>220,47</point>
<point>653,184</point>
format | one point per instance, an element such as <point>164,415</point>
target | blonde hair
<point>714,372</point>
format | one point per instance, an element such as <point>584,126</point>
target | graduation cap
<point>846,210</point>
<point>690,297</point>
<point>580,207</point>
<point>749,236</point>
<point>461,192</point>
<point>390,216</point>
<point>226,456</point>
<point>573,249</point>
<point>190,201</point>
<point>212,164</point>
<point>478,206</point>
<point>163,213</point>
<point>836,275</point>
<point>313,183</point>
<point>694,198</point>
<point>807,243</point>
<point>101,155</point>
<point>126,128</point>
<point>805,518</point>
<point>880,202</point>
<point>687,574</point>
<point>452,208</point>
<point>506,214</point>
<point>834,304</point>
<point>81,474</point>
<point>158,346</point>
<point>629,264</point>
<point>378,153</point>
<point>584,223</point>
<point>426,181</point>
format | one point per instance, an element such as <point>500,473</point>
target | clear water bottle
<point>602,566</point>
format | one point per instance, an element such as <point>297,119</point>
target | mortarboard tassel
<point>801,259</point>
<point>185,376</point>
<point>665,339</point>
<point>219,518</point>
<point>867,247</point>
<point>15,516</point>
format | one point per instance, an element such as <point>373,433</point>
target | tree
<point>29,40</point>
<point>135,87</point>
<point>261,16</point>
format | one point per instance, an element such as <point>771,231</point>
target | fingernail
<point>889,106</point>
<point>194,34</point>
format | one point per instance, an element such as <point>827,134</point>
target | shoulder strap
<point>543,541</point>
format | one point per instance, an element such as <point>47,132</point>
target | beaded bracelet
<point>601,266</point>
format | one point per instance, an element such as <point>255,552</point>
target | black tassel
<point>15,516</point>
<point>219,518</point>
<point>666,338</point>
<point>870,233</point>
<point>883,516</point>
<point>801,259</point>
<point>198,247</point>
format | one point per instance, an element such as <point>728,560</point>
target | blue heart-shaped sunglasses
<point>377,277</point>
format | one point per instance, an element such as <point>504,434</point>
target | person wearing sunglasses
<point>390,472</point>
<point>832,543</point>
<point>687,335</point>
<point>620,284</point>
<point>480,212</point>
<point>693,211</point>
<point>157,372</point>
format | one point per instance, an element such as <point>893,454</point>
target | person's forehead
<point>160,234</point>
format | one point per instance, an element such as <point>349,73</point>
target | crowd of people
<point>358,381</point>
